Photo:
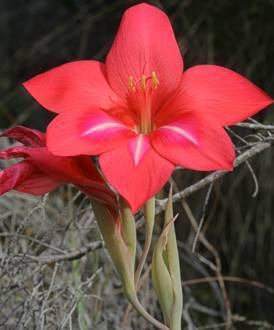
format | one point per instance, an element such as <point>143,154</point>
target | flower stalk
<point>149,215</point>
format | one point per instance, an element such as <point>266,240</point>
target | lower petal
<point>195,144</point>
<point>85,133</point>
<point>137,183</point>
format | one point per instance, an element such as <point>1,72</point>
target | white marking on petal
<point>138,149</point>
<point>102,127</point>
<point>182,132</point>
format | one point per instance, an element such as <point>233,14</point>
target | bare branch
<point>234,279</point>
<point>77,254</point>
<point>31,239</point>
<point>256,126</point>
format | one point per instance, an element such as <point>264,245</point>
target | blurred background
<point>238,228</point>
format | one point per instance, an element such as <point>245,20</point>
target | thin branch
<point>256,126</point>
<point>202,218</point>
<point>254,177</point>
<point>31,239</point>
<point>233,279</point>
<point>217,267</point>
<point>76,254</point>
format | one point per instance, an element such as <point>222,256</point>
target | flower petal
<point>72,86</point>
<point>194,143</point>
<point>137,183</point>
<point>26,178</point>
<point>219,94</point>
<point>27,136</point>
<point>88,133</point>
<point>43,169</point>
<point>79,171</point>
<point>15,152</point>
<point>145,43</point>
<point>38,184</point>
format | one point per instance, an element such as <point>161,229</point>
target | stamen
<point>131,84</point>
<point>143,82</point>
<point>155,81</point>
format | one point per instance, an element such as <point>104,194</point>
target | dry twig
<point>67,256</point>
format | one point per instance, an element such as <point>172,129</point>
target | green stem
<point>149,214</point>
<point>140,309</point>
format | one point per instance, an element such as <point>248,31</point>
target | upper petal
<point>194,143</point>
<point>88,133</point>
<point>136,178</point>
<point>72,86</point>
<point>219,94</point>
<point>145,43</point>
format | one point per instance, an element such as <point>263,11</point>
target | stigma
<point>144,82</point>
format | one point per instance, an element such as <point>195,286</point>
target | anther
<point>143,82</point>
<point>131,84</point>
<point>155,81</point>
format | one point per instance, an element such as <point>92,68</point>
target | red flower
<point>140,113</point>
<point>41,171</point>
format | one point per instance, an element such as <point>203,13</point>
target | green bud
<point>161,278</point>
<point>128,229</point>
<point>111,230</point>
<point>166,271</point>
<point>173,261</point>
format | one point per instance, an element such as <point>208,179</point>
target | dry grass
<point>39,293</point>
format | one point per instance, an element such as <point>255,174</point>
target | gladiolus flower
<point>140,112</point>
<point>41,172</point>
